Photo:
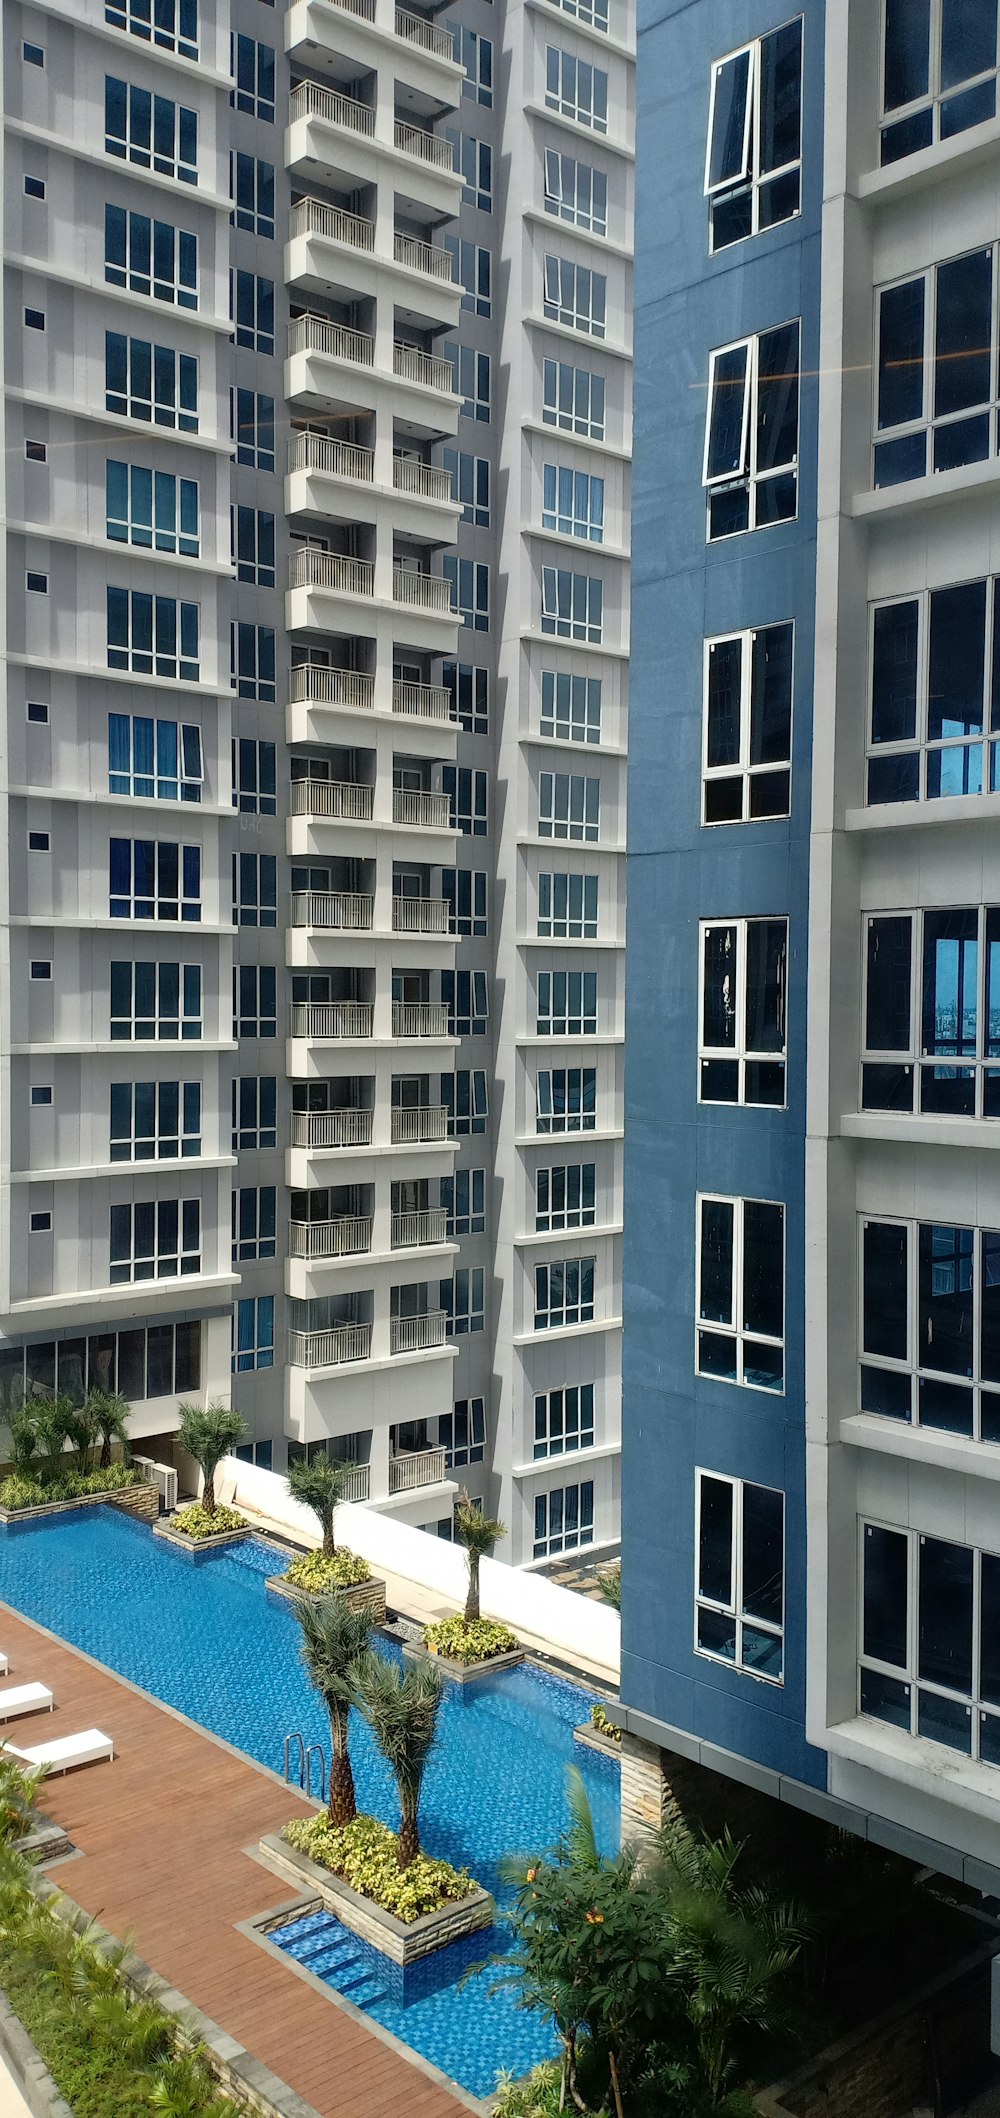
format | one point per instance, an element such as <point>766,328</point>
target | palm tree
<point>110,1413</point>
<point>50,1417</point>
<point>320,1485</point>
<point>208,1433</point>
<point>334,1640</point>
<point>23,1441</point>
<point>81,1430</point>
<point>479,1534</point>
<point>401,1710</point>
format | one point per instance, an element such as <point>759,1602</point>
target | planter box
<point>404,1944</point>
<point>194,1545</point>
<point>466,1672</point>
<point>366,1596</point>
<point>594,1739</point>
<point>143,1501</point>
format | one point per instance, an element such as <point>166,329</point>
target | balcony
<point>419,1018</point>
<point>418,1467</point>
<point>331,1128</point>
<point>421,591</point>
<point>418,256</point>
<point>309,568</point>
<point>411,139</point>
<point>414,1127</point>
<point>411,1229</point>
<point>356,1481</point>
<point>310,101</point>
<point>335,1018</point>
<point>409,364</point>
<point>335,225</point>
<point>417,30</point>
<point>414,1334</point>
<point>430,811</point>
<point>314,686</point>
<point>335,459</point>
<point>418,915</point>
<point>343,1238</point>
<point>427,480</point>
<point>333,911</point>
<point>344,799</point>
<point>423,702</point>
<point>330,1349</point>
<point>316,334</point>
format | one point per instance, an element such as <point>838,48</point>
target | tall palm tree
<point>334,1640</point>
<point>50,1417</point>
<point>208,1433</point>
<point>81,1430</point>
<point>110,1413</point>
<point>401,1710</point>
<point>480,1535</point>
<point>320,1485</point>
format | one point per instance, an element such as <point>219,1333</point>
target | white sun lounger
<point>25,1699</point>
<point>87,1747</point>
<point>4,1665</point>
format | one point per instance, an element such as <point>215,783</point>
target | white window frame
<point>568,399</point>
<point>471,369</point>
<point>980,1064</point>
<point>175,27</point>
<point>566,1004</point>
<point>746,475</point>
<point>473,679</point>
<point>987,741</point>
<point>576,192</point>
<point>248,211</point>
<point>568,1179</point>
<point>188,1025</point>
<point>465,1203</point>
<point>569,807</point>
<point>247,795</point>
<point>471,1447</point>
<point>154,510</point>
<point>733,1608</point>
<point>573,605</point>
<point>560,1302</point>
<point>177,288</point>
<point>470,485</point>
<point>592,12</point>
<point>927,422</point>
<point>469,918</point>
<point>740,1052</point>
<point>260,1020</point>
<point>143,145</point>
<point>257,1134</point>
<point>253,101</point>
<point>572,89</point>
<point>573,503</point>
<point>744,769</point>
<point>565,285</point>
<point>158,411</point>
<point>463,1299</point>
<point>553,1542</point>
<point>571,707</point>
<point>473,1118</point>
<point>468,1002</point>
<point>578,1120</point>
<point>162,1143</point>
<point>934,95</point>
<point>184,785</point>
<point>576,1422</point>
<point>737,1331</point>
<point>912,1366</point>
<point>568,906</point>
<point>255,890</point>
<point>750,177</point>
<point>474,164</point>
<point>184,1254</point>
<point>251,1246</point>
<point>909,1674</point>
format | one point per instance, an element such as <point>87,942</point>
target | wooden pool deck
<point>162,1835</point>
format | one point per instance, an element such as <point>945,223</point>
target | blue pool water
<point>206,1636</point>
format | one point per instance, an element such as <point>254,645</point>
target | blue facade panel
<point>685,590</point>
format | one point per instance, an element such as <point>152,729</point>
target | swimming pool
<point>494,1786</point>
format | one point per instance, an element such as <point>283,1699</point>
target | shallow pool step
<point>334,1957</point>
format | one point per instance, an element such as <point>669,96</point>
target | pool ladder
<point>306,1753</point>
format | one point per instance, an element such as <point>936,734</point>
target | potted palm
<point>321,1486</point>
<point>401,1709</point>
<point>470,1645</point>
<point>334,1639</point>
<point>208,1433</point>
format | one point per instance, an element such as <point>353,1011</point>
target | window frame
<point>748,477</point>
<point>562,277</point>
<point>190,1002</point>
<point>549,1446</point>
<point>184,1250</point>
<point>740,1053</point>
<point>907,1676</point>
<point>548,1543</point>
<point>576,1082</point>
<point>567,417</point>
<point>736,1331</point>
<point>568,905</point>
<point>145,118</point>
<point>983,1390</point>
<point>921,1064</point>
<point>150,257</point>
<point>171,398</point>
<point>734,1606</point>
<point>931,99</point>
<point>748,773</point>
<point>581,1212</point>
<point>751,179</point>
<point>586,110</point>
<point>152,1132</point>
<point>175,27</point>
<point>572,605</point>
<point>568,724</point>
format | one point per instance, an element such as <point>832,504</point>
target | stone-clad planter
<point>405,1944</point>
<point>594,1739</point>
<point>365,1596</point>
<point>465,1672</point>
<point>193,1545</point>
<point>143,1501</point>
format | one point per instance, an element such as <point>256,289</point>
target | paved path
<point>12,2103</point>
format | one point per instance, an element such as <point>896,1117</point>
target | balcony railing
<point>334,223</point>
<point>428,480</point>
<point>329,1349</point>
<point>417,30</point>
<point>417,1467</point>
<point>409,364</point>
<point>347,1237</point>
<point>340,798</point>
<point>426,702</point>
<point>309,568</point>
<point>331,1128</point>
<point>418,256</point>
<point>339,459</point>
<point>419,915</point>
<point>312,685</point>
<point>356,1481</point>
<point>316,334</point>
<point>428,1122</point>
<point>411,1334</point>
<point>334,1018</point>
<point>410,1229</point>
<point>419,1018</point>
<point>433,810</point>
<point>308,100</point>
<point>334,911</point>
<point>422,591</point>
<point>412,139</point>
<point>364,8</point>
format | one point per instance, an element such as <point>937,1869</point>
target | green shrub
<point>536,2095</point>
<point>16,1492</point>
<point>469,1640</point>
<point>605,1726</point>
<point>196,1522</point>
<point>318,1573</point>
<point>363,1853</point>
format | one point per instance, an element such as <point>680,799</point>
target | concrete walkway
<point>12,2103</point>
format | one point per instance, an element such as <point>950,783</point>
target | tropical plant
<point>334,1641</point>
<point>194,1521</point>
<point>364,1853</point>
<point>23,1441</point>
<point>110,1414</point>
<point>401,1709</point>
<point>320,1485</point>
<point>610,1585</point>
<point>479,1534</point>
<point>208,1433</point>
<point>319,1574</point>
<point>18,1788</point>
<point>81,1430</point>
<point>50,1417</point>
<point>458,1641</point>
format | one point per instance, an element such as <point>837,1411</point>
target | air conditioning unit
<point>161,1475</point>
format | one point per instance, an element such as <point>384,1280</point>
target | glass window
<point>753,174</point>
<point>466,996</point>
<point>465,1099</point>
<point>930,1326</point>
<point>934,721</point>
<point>741,1292</point>
<point>253,666</point>
<point>153,509</point>
<point>254,1112</point>
<point>572,503</point>
<point>569,806</point>
<point>575,192</point>
<point>154,879</point>
<point>576,89</point>
<point>739,1598</point>
<point>744,970</point>
<point>467,793</point>
<point>927,1652</point>
<point>153,635</point>
<point>936,397</point>
<point>566,1196</point>
<point>151,131</point>
<point>748,725</point>
<point>143,381</point>
<point>255,1005</point>
<point>470,485</point>
<point>253,1333</point>
<point>252,67</point>
<point>253,428</point>
<point>564,1520</point>
<point>155,1002</point>
<point>938,72</point>
<point>471,371</point>
<point>150,257</point>
<point>593,12</point>
<point>155,1120</point>
<point>567,907</point>
<point>254,777</point>
<point>172,25</point>
<point>564,1420</point>
<point>564,1293</point>
<point>463,1197</point>
<point>469,687</point>
<point>254,1223</point>
<point>752,433</point>
<point>472,267</point>
<point>464,891</point>
<point>154,759</point>
<point>571,707</point>
<point>474,164</point>
<point>462,1433</point>
<point>566,1099</point>
<point>252,303</point>
<point>575,296</point>
<point>475,54</point>
<point>572,605</point>
<point>155,1240</point>
<point>566,1004</point>
<point>932,1012</point>
<point>251,188</point>
<point>573,399</point>
<point>470,590</point>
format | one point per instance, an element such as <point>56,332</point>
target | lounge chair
<point>4,1665</point>
<point>87,1747</point>
<point>25,1699</point>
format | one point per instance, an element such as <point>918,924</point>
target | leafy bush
<point>469,1640</point>
<point>16,1492</point>
<point>318,1573</point>
<point>605,1726</point>
<point>196,1522</point>
<point>363,1853</point>
<point>536,2095</point>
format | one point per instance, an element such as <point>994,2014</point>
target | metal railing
<point>412,139</point>
<point>356,1482</point>
<point>417,915</point>
<point>426,702</point>
<point>410,1229</point>
<point>343,798</point>
<point>411,1334</point>
<point>334,223</point>
<point>340,911</point>
<point>417,1467</point>
<point>331,1128</point>
<point>329,1349</point>
<point>429,480</point>
<point>428,1122</point>
<point>364,8</point>
<point>418,256</point>
<point>346,1237</point>
<point>409,364</point>
<point>340,459</point>
<point>409,807</point>
<point>308,100</point>
<point>312,685</point>
<point>417,30</point>
<point>334,1018</point>
<point>422,591</point>
<point>316,334</point>
<point>419,1018</point>
<point>309,568</point>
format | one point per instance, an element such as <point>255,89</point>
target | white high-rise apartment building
<point>317,418</point>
